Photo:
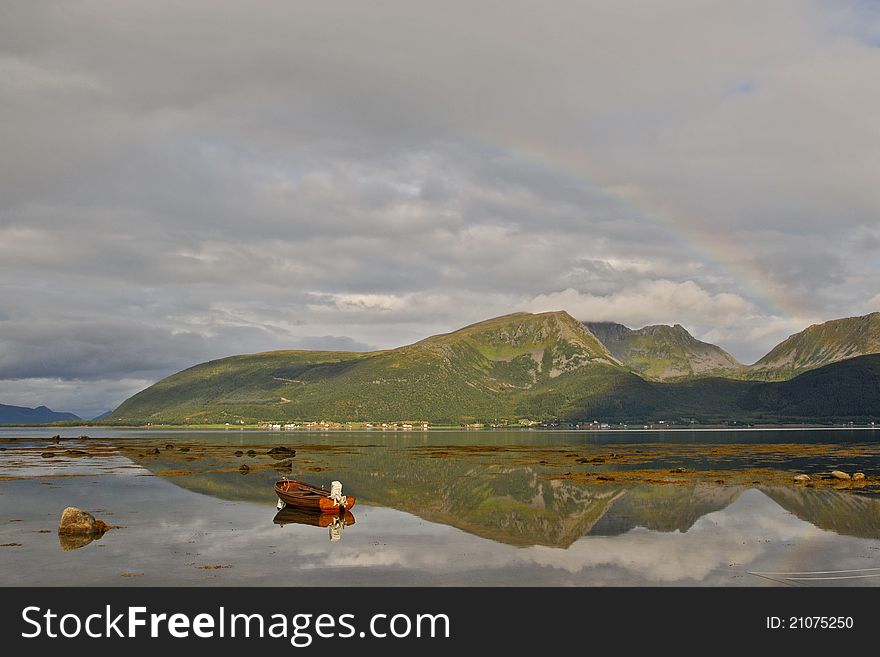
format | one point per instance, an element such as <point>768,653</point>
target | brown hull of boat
<point>304,496</point>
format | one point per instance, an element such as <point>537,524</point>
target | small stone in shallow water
<point>839,474</point>
<point>77,521</point>
<point>155,450</point>
<point>859,475</point>
<point>169,446</point>
<point>251,452</point>
<point>244,469</point>
<point>238,452</point>
<point>802,477</point>
<point>183,449</point>
<point>47,455</point>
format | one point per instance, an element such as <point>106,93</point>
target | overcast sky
<point>186,180</point>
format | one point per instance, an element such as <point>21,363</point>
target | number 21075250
<point>810,623</point>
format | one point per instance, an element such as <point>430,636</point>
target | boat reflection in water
<point>335,523</point>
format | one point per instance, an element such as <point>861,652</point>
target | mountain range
<point>663,352</point>
<point>39,415</point>
<point>537,366</point>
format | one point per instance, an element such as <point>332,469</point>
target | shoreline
<point>455,428</point>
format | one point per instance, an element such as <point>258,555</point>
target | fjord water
<point>443,508</point>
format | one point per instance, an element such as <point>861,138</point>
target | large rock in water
<point>82,523</point>
<point>838,474</point>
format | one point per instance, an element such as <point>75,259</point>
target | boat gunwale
<point>306,496</point>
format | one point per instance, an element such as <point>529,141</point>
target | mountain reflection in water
<point>528,508</point>
<point>499,498</point>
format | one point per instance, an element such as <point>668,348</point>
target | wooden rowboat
<point>305,496</point>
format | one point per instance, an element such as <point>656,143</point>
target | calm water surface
<point>444,508</point>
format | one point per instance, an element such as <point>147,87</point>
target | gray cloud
<point>182,181</point>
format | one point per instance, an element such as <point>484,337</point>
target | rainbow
<point>700,240</point>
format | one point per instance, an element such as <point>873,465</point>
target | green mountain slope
<point>818,345</point>
<point>844,391</point>
<point>849,389</point>
<point>663,352</point>
<point>39,415</point>
<point>539,366</point>
<point>543,365</point>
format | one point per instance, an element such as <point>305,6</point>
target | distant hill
<point>663,352</point>
<point>520,365</point>
<point>845,390</point>
<point>818,345</point>
<point>536,366</point>
<point>39,415</point>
